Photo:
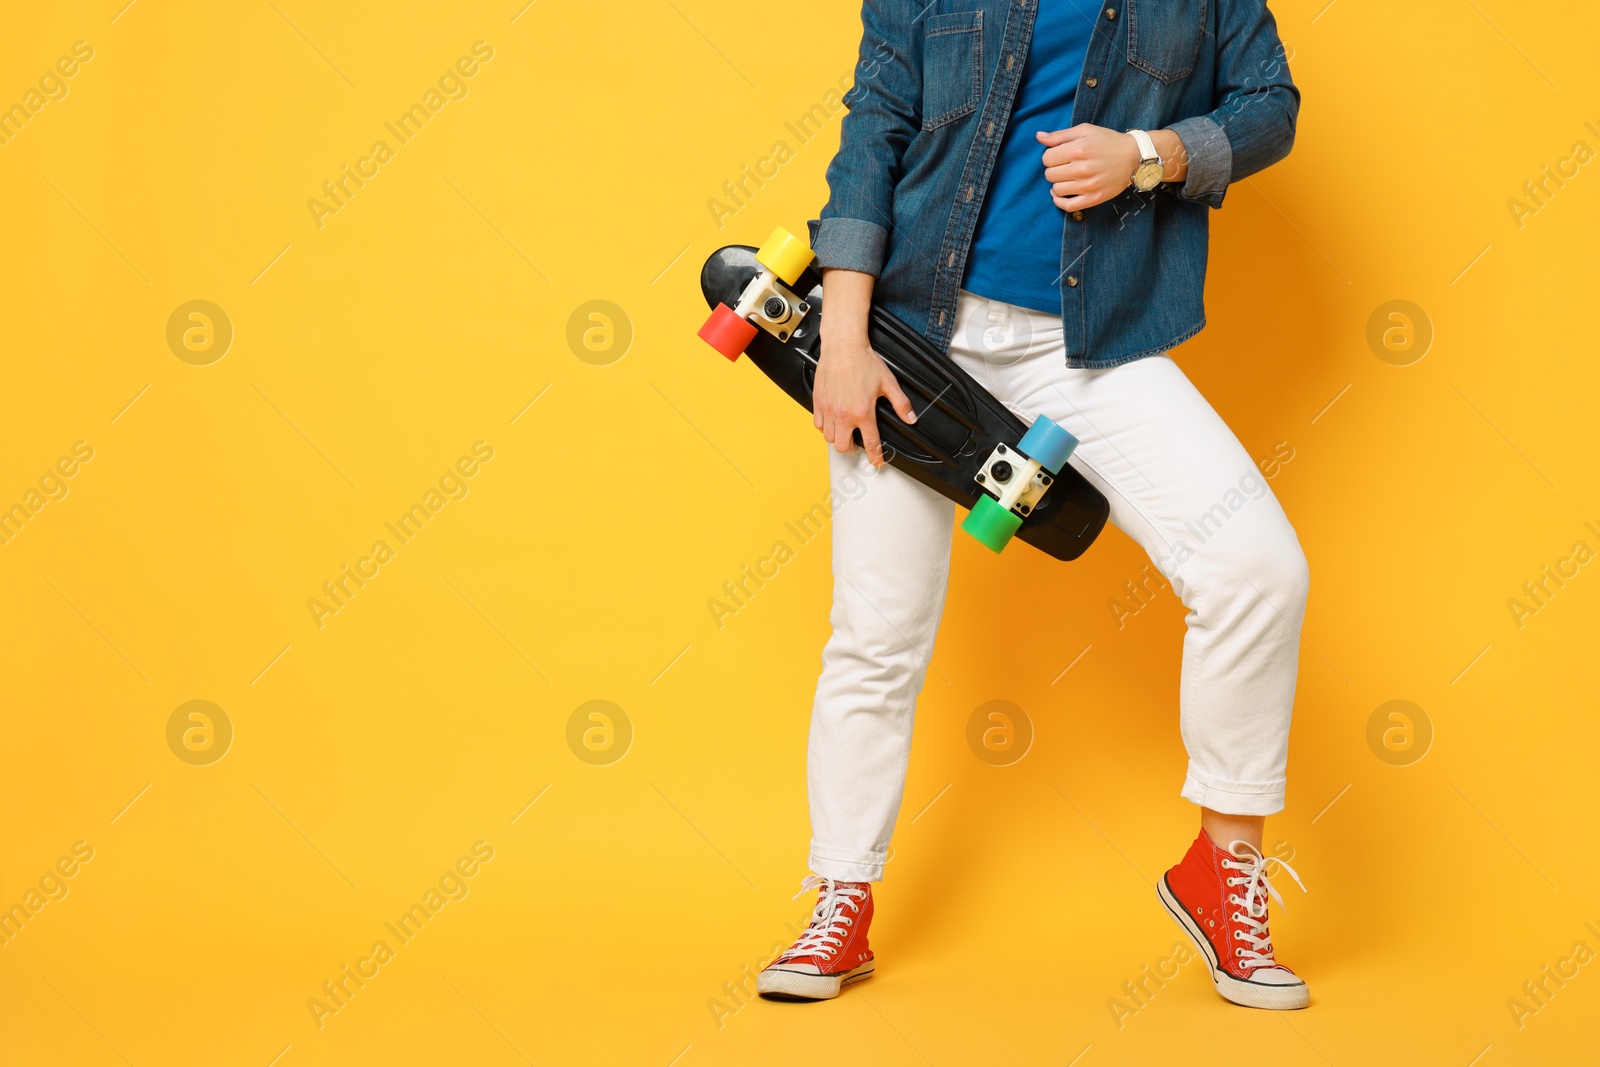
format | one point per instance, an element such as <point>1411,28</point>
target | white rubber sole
<point>1248,994</point>
<point>802,985</point>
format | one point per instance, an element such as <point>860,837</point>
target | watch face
<point>1148,176</point>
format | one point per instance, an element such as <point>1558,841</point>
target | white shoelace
<point>1258,887</point>
<point>829,923</point>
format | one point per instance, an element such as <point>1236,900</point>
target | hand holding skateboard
<point>850,378</point>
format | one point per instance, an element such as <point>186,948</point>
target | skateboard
<point>1014,479</point>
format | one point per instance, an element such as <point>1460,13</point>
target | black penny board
<point>958,422</point>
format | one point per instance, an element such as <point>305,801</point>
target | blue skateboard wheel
<point>1047,444</point>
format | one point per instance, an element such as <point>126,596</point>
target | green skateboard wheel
<point>990,524</point>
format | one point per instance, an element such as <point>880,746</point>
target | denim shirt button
<point>1072,281</point>
<point>1091,81</point>
<point>1077,216</point>
<point>1111,12</point>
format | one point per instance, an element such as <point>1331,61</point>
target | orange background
<point>630,479</point>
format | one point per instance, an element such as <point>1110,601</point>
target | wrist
<point>1134,152</point>
<point>1148,168</point>
<point>843,332</point>
<point>847,301</point>
<point>847,344</point>
<point>1174,157</point>
<point>843,321</point>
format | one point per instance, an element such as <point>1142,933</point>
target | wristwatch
<point>1147,175</point>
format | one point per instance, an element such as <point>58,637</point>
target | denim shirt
<point>934,89</point>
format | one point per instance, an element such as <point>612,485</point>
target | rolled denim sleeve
<point>853,244</point>
<point>884,115</point>
<point>1257,105</point>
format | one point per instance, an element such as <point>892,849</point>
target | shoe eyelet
<point>1199,911</point>
<point>1211,922</point>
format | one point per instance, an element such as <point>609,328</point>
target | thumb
<point>897,400</point>
<point>1052,138</point>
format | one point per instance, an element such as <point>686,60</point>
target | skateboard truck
<point>1018,478</point>
<point>773,307</point>
<point>767,302</point>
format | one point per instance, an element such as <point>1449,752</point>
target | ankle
<point>1225,829</point>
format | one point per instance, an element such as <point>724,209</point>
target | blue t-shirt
<point>1016,251</point>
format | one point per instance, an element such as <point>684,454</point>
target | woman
<point>1028,184</point>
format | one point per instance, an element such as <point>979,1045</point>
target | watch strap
<point>1147,147</point>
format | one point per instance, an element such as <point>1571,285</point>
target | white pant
<point>1179,483</point>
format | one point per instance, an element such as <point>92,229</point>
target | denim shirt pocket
<point>952,67</point>
<point>1164,36</point>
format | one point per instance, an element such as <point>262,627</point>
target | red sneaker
<point>1219,896</point>
<point>833,950</point>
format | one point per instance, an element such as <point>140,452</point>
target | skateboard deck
<point>965,444</point>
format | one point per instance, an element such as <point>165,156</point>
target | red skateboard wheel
<point>727,332</point>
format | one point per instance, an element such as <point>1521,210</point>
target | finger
<point>1079,202</point>
<point>871,442</point>
<point>1055,157</point>
<point>1066,172</point>
<point>1072,133</point>
<point>1051,138</point>
<point>1086,193</point>
<point>898,400</point>
<point>841,428</point>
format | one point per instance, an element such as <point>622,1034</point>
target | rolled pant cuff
<point>1233,798</point>
<point>847,865</point>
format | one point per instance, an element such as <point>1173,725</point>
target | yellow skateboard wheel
<point>785,255</point>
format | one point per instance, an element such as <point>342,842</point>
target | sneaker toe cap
<point>1275,976</point>
<point>805,966</point>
